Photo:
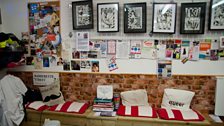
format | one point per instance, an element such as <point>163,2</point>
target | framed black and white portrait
<point>82,14</point>
<point>108,17</point>
<point>216,18</point>
<point>192,18</point>
<point>135,18</point>
<point>164,18</point>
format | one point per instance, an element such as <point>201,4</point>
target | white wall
<point>15,19</point>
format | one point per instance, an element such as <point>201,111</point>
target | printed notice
<point>45,78</point>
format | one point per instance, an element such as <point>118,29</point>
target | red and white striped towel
<point>184,115</point>
<point>73,107</point>
<point>37,105</point>
<point>137,111</point>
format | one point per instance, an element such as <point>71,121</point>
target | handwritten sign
<point>45,78</point>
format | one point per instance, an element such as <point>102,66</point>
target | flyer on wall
<point>122,49</point>
<point>82,41</point>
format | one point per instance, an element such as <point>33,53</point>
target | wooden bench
<point>35,118</point>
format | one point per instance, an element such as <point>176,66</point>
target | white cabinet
<point>219,97</point>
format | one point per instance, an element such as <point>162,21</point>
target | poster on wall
<point>45,78</point>
<point>44,28</point>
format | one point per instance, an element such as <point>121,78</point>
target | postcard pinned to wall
<point>205,50</point>
<point>111,47</point>
<point>148,50</point>
<point>164,68</point>
<point>185,49</point>
<point>194,51</point>
<point>86,65</point>
<point>45,78</point>
<point>82,41</point>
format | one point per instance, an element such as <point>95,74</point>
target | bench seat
<point>36,118</point>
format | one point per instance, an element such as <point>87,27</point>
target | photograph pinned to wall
<point>82,14</point>
<point>216,16</point>
<point>112,65</point>
<point>205,50</point>
<point>60,61</point>
<point>53,60</point>
<point>122,49</point>
<point>148,50</point>
<point>164,68</point>
<point>214,54</point>
<point>177,49</point>
<point>221,54</point>
<point>95,66</point>
<point>108,17</point>
<point>75,64</point>
<point>84,55</point>
<point>82,41</point>
<point>135,18</point>
<point>86,65</point>
<point>94,54</point>
<point>111,47</point>
<point>164,18</point>
<point>29,60</point>
<point>44,27</point>
<point>75,54</point>
<point>222,42</point>
<point>46,62</point>
<point>214,44</point>
<point>25,39</point>
<point>185,49</point>
<point>192,18</point>
<point>169,49</point>
<point>194,51</point>
<point>66,65</point>
<point>38,63</point>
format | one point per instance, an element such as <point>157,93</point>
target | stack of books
<point>103,105</point>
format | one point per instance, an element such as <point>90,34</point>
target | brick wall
<point>82,86</point>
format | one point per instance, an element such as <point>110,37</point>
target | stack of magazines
<point>103,105</point>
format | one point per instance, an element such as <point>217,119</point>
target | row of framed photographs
<point>164,17</point>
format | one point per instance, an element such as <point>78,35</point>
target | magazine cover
<point>164,68</point>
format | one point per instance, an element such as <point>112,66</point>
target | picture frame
<point>164,18</point>
<point>82,14</point>
<point>192,18</point>
<point>222,42</point>
<point>135,18</point>
<point>216,15</point>
<point>108,17</point>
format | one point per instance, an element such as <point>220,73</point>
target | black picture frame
<point>192,18</point>
<point>216,15</point>
<point>82,15</point>
<point>108,17</point>
<point>135,18</point>
<point>164,18</point>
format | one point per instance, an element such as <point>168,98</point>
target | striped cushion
<point>37,105</point>
<point>137,111</point>
<point>72,107</point>
<point>184,115</point>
